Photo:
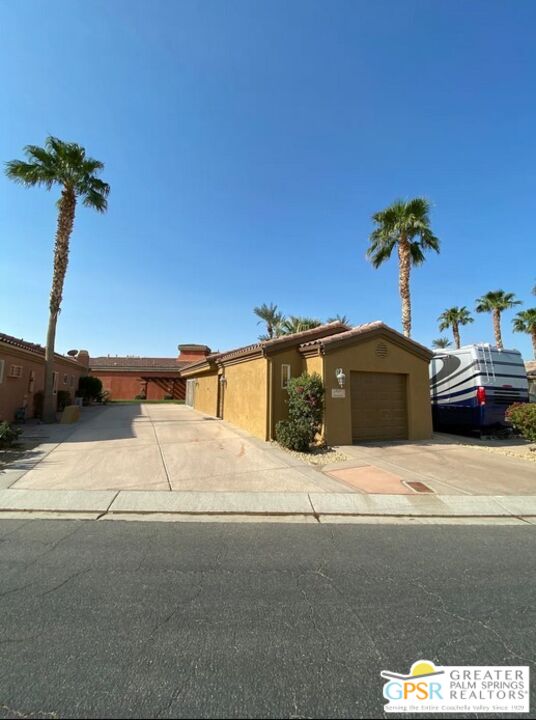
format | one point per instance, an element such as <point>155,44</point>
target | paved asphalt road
<point>124,619</point>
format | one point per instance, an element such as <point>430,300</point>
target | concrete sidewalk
<point>315,507</point>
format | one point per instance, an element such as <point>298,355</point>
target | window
<point>285,376</point>
<point>65,379</point>
<point>31,381</point>
<point>55,382</point>
<point>2,363</point>
<point>15,371</point>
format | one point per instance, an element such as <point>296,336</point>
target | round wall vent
<point>382,350</point>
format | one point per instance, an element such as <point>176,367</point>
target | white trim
<point>285,375</point>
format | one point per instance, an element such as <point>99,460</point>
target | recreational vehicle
<point>472,387</point>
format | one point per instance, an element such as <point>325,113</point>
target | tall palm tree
<point>406,225</point>
<point>525,321</point>
<point>67,165</point>
<point>440,343</point>
<point>496,302</point>
<point>272,317</point>
<point>339,318</point>
<point>452,318</point>
<point>294,324</point>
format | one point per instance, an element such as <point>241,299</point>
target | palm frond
<point>496,300</point>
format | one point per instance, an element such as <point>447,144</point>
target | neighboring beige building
<point>22,375</point>
<point>384,394</point>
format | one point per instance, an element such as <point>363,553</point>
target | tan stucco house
<point>376,383</point>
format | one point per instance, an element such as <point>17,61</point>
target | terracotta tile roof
<point>23,344</point>
<point>135,363</point>
<point>292,339</point>
<point>356,332</point>
<point>29,346</point>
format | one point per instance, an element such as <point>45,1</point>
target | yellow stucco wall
<point>362,357</point>
<point>206,393</point>
<point>245,398</point>
<point>315,365</point>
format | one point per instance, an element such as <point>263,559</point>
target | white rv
<point>472,387</point>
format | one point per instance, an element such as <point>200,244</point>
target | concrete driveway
<point>445,465</point>
<point>164,447</point>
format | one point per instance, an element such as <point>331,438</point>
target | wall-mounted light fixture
<point>341,377</point>
<point>223,380</point>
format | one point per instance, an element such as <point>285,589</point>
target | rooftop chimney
<point>190,352</point>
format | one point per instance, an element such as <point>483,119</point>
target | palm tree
<point>67,165</point>
<point>525,321</point>
<point>339,318</point>
<point>294,324</point>
<point>452,318</point>
<point>405,225</point>
<point>272,316</point>
<point>496,302</point>
<point>440,343</point>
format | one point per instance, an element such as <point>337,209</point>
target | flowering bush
<point>305,413</point>
<point>523,418</point>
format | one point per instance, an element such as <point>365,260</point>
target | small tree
<point>305,413</point>
<point>89,388</point>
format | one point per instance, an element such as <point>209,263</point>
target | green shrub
<point>64,399</point>
<point>8,434</point>
<point>89,388</point>
<point>305,413</point>
<point>293,435</point>
<point>523,418</point>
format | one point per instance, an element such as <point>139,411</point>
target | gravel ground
<point>318,456</point>
<point>521,452</point>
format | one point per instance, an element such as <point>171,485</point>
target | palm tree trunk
<point>456,333</point>
<point>533,335</point>
<point>66,211</point>
<point>496,314</point>
<point>404,267</point>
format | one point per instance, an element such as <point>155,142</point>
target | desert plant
<point>64,164</point>
<point>89,388</point>
<point>296,323</point>
<point>525,321</point>
<point>344,319</point>
<point>406,226</point>
<point>523,419</point>
<point>8,434</point>
<point>441,343</point>
<point>272,317</point>
<point>496,302</point>
<point>452,318</point>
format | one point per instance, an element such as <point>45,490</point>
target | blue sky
<point>247,145</point>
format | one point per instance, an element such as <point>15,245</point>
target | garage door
<point>379,406</point>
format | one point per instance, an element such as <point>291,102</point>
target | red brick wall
<point>16,392</point>
<point>126,385</point>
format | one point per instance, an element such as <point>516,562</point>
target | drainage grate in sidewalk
<point>418,486</point>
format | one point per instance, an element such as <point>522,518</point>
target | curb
<point>118,504</point>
